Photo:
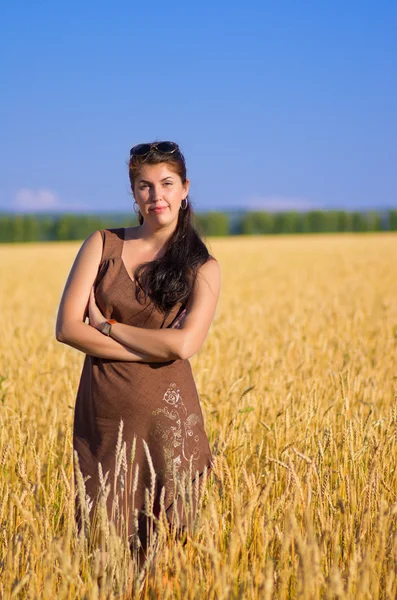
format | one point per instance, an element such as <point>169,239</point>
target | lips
<point>158,208</point>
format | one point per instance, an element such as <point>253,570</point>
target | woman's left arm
<point>178,343</point>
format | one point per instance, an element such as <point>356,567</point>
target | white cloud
<point>43,199</point>
<point>280,203</point>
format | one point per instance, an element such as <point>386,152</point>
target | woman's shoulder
<point>110,240</point>
<point>210,268</point>
<point>113,235</point>
<point>110,231</point>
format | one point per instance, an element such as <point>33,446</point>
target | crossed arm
<point>128,342</point>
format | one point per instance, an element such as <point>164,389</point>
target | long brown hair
<point>169,279</point>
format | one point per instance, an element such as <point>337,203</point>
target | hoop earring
<point>184,207</point>
<point>137,211</point>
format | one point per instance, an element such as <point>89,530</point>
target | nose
<point>157,193</point>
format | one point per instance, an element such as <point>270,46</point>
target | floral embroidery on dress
<point>178,436</point>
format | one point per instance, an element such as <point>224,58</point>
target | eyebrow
<point>146,181</point>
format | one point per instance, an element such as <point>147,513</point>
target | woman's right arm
<point>70,326</point>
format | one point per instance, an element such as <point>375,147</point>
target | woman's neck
<point>156,238</point>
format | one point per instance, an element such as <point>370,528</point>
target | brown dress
<point>157,403</point>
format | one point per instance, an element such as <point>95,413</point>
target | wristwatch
<point>106,326</point>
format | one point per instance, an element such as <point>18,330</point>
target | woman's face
<point>158,187</point>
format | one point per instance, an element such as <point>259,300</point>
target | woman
<point>150,293</point>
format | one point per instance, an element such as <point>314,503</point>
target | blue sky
<point>276,105</point>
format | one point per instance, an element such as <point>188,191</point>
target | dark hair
<point>170,278</point>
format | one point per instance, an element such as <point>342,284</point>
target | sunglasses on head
<point>162,147</point>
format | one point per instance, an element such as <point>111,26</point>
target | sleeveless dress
<point>134,420</point>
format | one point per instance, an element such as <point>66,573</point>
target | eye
<point>143,186</point>
<point>168,183</point>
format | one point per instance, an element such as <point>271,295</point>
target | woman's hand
<point>95,315</point>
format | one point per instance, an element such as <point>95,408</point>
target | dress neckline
<point>122,260</point>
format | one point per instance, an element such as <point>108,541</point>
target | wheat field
<point>298,386</point>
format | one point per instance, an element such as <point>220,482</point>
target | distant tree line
<point>33,227</point>
<point>63,227</point>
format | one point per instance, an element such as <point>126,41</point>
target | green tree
<point>255,223</point>
<point>6,229</point>
<point>17,229</point>
<point>213,223</point>
<point>344,221</point>
<point>317,221</point>
<point>374,221</point>
<point>291,222</point>
<point>392,220</point>
<point>31,228</point>
<point>359,222</point>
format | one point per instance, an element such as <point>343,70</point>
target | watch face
<point>106,328</point>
